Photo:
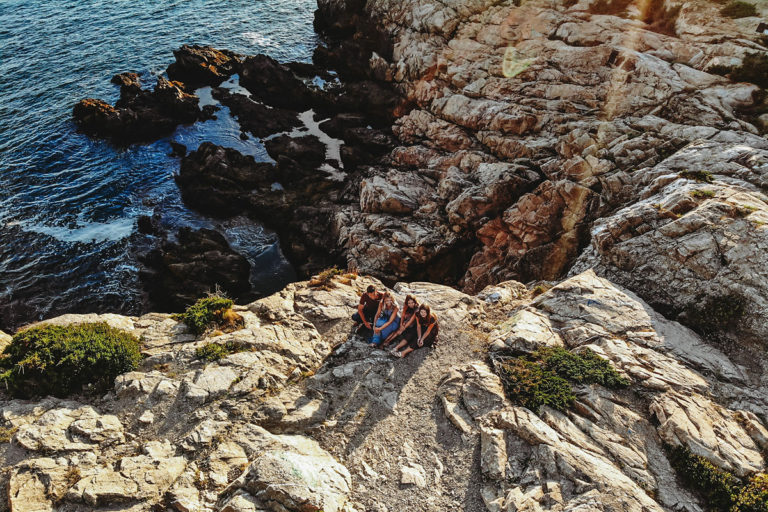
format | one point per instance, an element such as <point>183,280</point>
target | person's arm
<point>391,318</point>
<point>418,327</point>
<point>429,329</point>
<point>361,311</point>
<point>376,318</point>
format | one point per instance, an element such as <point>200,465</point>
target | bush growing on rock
<point>213,311</point>
<point>528,384</point>
<point>585,367</point>
<point>739,9</point>
<point>720,489</point>
<point>754,69</point>
<point>60,360</point>
<point>215,351</point>
<point>716,315</point>
<point>543,377</point>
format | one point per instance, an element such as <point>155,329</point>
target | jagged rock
<point>688,245</point>
<point>129,83</point>
<point>138,115</point>
<point>274,83</point>
<point>141,477</point>
<point>413,475</point>
<point>307,151</point>
<point>203,65</point>
<point>259,119</point>
<point>5,340</point>
<point>293,472</point>
<point>553,93</point>
<point>177,273</point>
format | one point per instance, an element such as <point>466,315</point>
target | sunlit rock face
<point>308,417</point>
<point>530,123</point>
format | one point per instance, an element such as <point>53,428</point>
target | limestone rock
<point>64,430</point>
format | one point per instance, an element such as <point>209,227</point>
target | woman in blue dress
<point>386,320</point>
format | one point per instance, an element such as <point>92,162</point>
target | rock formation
<point>138,115</point>
<point>304,416</point>
<point>542,141</point>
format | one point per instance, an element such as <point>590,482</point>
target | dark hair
<point>409,298</point>
<point>424,307</point>
<point>371,288</point>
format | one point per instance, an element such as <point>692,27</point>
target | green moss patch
<point>215,351</point>
<point>739,9</point>
<point>586,367</point>
<point>545,377</point>
<point>721,490</point>
<point>60,360</point>
<point>210,312</point>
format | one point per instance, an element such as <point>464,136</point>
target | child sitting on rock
<point>407,328</point>
<point>426,329</point>
<point>386,321</point>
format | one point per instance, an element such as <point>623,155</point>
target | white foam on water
<point>86,232</point>
<point>259,39</point>
<point>312,127</point>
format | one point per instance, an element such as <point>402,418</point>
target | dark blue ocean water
<point>69,204</point>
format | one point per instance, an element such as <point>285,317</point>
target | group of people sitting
<point>411,328</point>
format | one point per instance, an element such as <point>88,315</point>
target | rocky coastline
<point>605,156</point>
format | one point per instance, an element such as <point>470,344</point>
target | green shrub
<point>543,377</point>
<point>6,433</point>
<point>214,351</point>
<point>528,384</point>
<point>739,9</point>
<point>716,486</point>
<point>716,315</point>
<point>700,176</point>
<point>720,489</point>
<point>60,360</point>
<point>207,312</point>
<point>702,194</point>
<point>754,69</point>
<point>585,367</point>
<point>324,280</point>
<point>753,496</point>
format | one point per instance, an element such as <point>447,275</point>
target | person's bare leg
<point>406,352</point>
<point>400,345</point>
<point>389,339</point>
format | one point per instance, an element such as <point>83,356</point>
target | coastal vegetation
<point>721,490</point>
<point>60,360</point>
<point>739,9</point>
<point>214,311</point>
<point>215,351</point>
<point>545,376</point>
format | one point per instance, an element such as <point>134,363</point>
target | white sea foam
<point>85,232</point>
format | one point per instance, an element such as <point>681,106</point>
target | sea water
<point>68,203</point>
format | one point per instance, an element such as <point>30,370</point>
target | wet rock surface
<point>202,65</point>
<point>196,262</point>
<point>139,115</point>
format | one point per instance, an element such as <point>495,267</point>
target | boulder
<point>203,65</point>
